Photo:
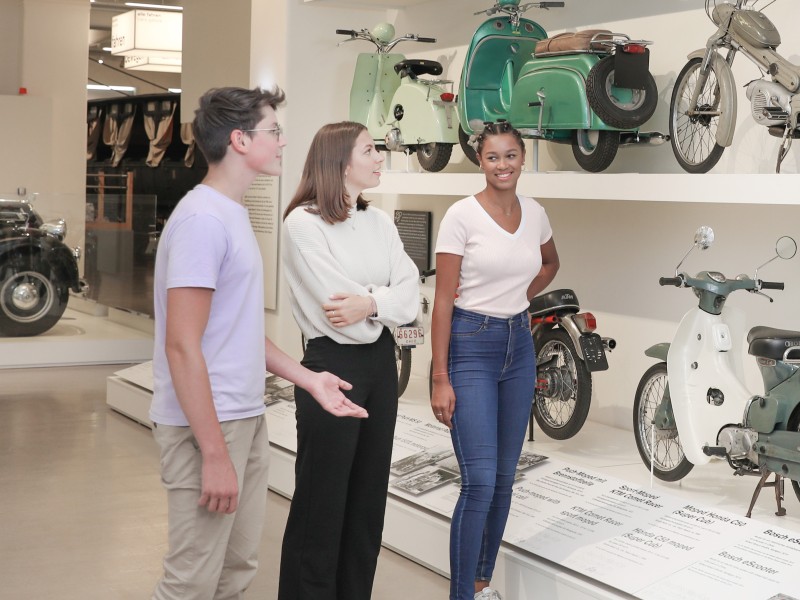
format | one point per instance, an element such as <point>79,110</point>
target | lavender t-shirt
<point>208,242</point>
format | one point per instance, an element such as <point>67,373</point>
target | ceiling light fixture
<point>154,6</point>
<point>110,88</point>
<point>152,63</point>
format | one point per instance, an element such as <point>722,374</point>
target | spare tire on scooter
<point>623,114</point>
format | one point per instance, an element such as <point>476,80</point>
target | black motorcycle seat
<point>418,67</point>
<point>768,342</point>
<point>558,301</point>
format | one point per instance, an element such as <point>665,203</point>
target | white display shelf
<point>644,187</point>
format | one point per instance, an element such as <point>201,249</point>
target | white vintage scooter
<point>693,406</point>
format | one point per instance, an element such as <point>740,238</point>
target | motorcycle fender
<point>659,351</point>
<point>727,84</point>
<point>562,80</point>
<point>426,118</point>
<point>574,333</point>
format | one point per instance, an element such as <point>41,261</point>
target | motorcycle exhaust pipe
<point>642,138</point>
<point>609,343</point>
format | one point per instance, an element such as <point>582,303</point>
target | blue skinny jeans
<point>492,369</point>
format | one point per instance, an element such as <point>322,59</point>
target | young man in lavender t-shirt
<point>211,354</point>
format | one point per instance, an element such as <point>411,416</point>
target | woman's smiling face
<point>364,169</point>
<point>501,159</point>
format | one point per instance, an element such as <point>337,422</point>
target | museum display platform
<point>86,334</point>
<point>586,520</point>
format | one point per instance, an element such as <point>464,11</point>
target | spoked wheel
<point>666,453</point>
<point>694,136</point>
<point>32,298</point>
<point>595,149</point>
<point>563,390</point>
<point>403,357</point>
<point>469,151</point>
<point>434,157</point>
<point>619,107</point>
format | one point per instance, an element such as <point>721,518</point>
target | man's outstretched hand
<point>327,390</point>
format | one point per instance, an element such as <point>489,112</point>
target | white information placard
<point>262,201</point>
<point>762,565</point>
<point>640,541</point>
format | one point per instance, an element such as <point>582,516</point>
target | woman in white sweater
<point>494,252</point>
<point>351,283</point>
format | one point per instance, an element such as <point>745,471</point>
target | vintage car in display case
<point>37,270</point>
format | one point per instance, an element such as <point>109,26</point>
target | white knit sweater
<point>362,255</point>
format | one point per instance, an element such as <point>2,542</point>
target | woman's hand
<point>443,400</point>
<point>346,309</point>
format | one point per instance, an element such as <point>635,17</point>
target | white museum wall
<point>10,36</point>
<point>216,49</point>
<point>44,132</point>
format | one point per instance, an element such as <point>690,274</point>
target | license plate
<point>409,336</point>
<point>630,70</point>
<point>594,355</point>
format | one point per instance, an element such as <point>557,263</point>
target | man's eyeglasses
<point>277,130</point>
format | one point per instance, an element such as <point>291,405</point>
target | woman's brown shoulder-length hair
<point>321,189</point>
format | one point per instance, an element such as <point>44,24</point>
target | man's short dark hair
<point>224,109</point>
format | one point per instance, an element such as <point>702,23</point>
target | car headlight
<point>57,229</point>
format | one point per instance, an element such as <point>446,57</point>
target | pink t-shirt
<point>497,266</point>
<point>208,242</point>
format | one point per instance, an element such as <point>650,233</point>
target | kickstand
<point>786,143</point>
<point>762,483</point>
<point>530,425</point>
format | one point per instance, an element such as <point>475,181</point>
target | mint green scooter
<point>403,111</point>
<point>591,89</point>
